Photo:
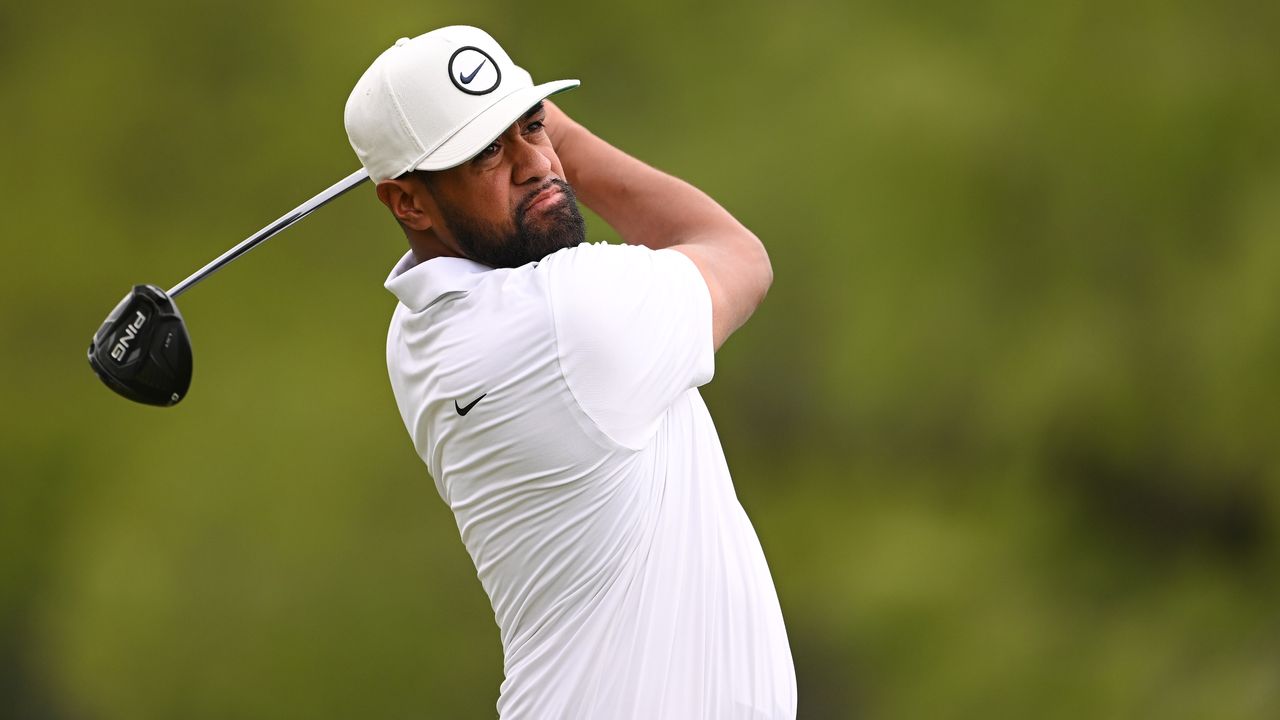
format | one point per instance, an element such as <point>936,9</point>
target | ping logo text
<point>130,332</point>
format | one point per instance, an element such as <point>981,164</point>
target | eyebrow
<point>532,111</point>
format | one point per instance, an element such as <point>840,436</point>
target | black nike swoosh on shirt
<point>464,410</point>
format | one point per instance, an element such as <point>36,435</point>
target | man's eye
<point>489,151</point>
<point>533,127</point>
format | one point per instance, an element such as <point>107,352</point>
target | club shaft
<point>289,218</point>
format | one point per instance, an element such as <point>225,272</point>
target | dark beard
<point>563,227</point>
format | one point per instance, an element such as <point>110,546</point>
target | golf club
<point>143,351</point>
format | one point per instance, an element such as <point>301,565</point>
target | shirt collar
<point>417,285</point>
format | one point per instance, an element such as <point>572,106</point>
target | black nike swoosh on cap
<point>466,79</point>
<point>464,410</point>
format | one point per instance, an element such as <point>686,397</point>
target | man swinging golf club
<point>550,386</point>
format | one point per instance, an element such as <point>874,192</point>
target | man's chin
<point>538,233</point>
<point>556,228</point>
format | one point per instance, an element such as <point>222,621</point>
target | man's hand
<point>558,124</point>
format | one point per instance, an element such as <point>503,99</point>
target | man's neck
<point>427,246</point>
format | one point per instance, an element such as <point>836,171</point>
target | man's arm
<point>649,207</point>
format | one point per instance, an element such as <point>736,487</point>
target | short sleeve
<point>633,333</point>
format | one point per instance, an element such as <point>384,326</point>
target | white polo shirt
<point>555,405</point>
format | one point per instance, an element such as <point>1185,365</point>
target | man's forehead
<point>532,111</point>
<point>526,117</point>
<point>429,176</point>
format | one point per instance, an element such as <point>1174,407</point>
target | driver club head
<point>142,351</point>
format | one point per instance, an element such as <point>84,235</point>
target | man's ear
<point>406,200</point>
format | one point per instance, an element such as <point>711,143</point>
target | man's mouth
<point>546,199</point>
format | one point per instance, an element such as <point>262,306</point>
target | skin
<point>645,205</point>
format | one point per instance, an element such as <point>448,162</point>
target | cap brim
<point>476,135</point>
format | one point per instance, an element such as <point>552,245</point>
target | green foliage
<point>1005,425</point>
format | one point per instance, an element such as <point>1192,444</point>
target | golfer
<point>550,386</point>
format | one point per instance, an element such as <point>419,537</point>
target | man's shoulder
<point>584,289</point>
<point>614,273</point>
<point>595,256</point>
<point>493,304</point>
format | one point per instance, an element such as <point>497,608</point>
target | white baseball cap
<point>435,101</point>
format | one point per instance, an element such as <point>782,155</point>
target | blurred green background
<point>1006,425</point>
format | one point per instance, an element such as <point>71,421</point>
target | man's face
<point>509,205</point>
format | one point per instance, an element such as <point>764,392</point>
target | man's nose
<point>530,163</point>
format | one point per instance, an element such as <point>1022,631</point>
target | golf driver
<point>143,351</point>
